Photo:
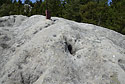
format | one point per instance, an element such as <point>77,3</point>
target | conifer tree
<point>20,2</point>
<point>54,7</point>
<point>89,11</point>
<point>27,1</point>
<point>71,10</point>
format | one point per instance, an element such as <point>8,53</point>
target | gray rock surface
<point>34,50</point>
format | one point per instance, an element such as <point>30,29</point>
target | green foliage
<point>96,12</point>
<point>55,7</point>
<point>27,1</point>
<point>71,10</point>
<point>101,14</point>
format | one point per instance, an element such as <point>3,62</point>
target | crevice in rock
<point>4,46</point>
<point>121,63</point>
<point>69,48</point>
<point>35,32</point>
<point>6,38</point>
<point>54,35</point>
<point>22,79</point>
<point>47,25</point>
<point>50,24</point>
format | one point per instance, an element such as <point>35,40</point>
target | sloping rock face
<point>34,50</point>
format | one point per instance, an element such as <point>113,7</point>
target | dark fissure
<point>70,49</point>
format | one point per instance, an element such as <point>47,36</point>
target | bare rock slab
<point>34,50</point>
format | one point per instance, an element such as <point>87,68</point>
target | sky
<point>109,1</point>
<point>35,0</point>
<point>30,0</point>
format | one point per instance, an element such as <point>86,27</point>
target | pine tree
<point>20,2</point>
<point>71,10</point>
<point>27,1</point>
<point>90,11</point>
<point>54,6</point>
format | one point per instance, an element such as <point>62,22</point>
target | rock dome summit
<point>34,50</point>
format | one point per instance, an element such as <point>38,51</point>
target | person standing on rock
<point>48,16</point>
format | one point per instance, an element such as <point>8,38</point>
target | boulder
<point>35,50</point>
